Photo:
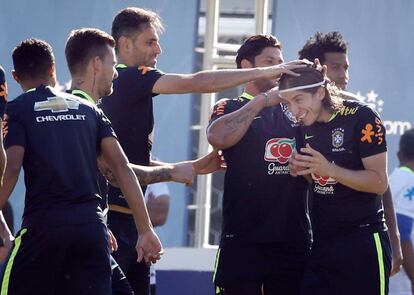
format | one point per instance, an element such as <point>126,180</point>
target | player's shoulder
<point>125,71</point>
<point>353,108</point>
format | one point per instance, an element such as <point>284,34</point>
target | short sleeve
<point>223,107</point>
<point>370,133</point>
<point>141,80</point>
<point>13,127</point>
<point>104,126</point>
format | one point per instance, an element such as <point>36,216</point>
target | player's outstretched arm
<point>181,172</point>
<point>148,245</point>
<point>218,80</point>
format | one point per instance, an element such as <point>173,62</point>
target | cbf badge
<point>337,139</point>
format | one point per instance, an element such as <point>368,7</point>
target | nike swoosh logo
<point>308,136</point>
<point>258,117</point>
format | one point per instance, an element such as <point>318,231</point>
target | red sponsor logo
<point>279,149</point>
<point>323,180</point>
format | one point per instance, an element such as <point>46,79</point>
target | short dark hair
<point>83,44</point>
<point>32,59</point>
<point>321,43</point>
<point>254,45</point>
<point>311,75</point>
<point>131,20</point>
<point>406,151</point>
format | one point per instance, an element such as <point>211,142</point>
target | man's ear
<point>15,77</point>
<point>124,43</point>
<point>96,64</point>
<point>320,93</point>
<point>246,64</point>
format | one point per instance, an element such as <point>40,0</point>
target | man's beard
<point>264,85</point>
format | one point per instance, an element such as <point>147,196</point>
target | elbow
<point>382,186</point>
<point>216,141</point>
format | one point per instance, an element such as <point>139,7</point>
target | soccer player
<point>345,154</point>
<point>266,233</point>
<point>130,110</point>
<point>332,51</point>
<point>402,187</point>
<point>92,70</point>
<point>62,245</point>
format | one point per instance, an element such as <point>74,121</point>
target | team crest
<point>338,139</point>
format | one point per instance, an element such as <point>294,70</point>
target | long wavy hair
<point>311,75</point>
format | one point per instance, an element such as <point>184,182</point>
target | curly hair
<point>322,43</point>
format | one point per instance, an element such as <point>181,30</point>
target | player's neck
<point>34,84</point>
<point>86,86</point>
<point>408,164</point>
<point>126,60</point>
<point>252,89</point>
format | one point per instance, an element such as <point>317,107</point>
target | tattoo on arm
<point>240,120</point>
<point>152,174</point>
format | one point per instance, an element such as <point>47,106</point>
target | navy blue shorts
<point>251,269</point>
<point>357,264</point>
<point>64,259</point>
<point>138,275</point>
<point>120,284</point>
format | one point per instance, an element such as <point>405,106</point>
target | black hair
<point>83,44</point>
<point>131,20</point>
<point>321,43</point>
<point>254,45</point>
<point>406,150</point>
<point>32,59</point>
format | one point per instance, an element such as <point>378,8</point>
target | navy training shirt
<point>61,135</point>
<point>130,110</point>
<point>354,133</point>
<point>262,203</point>
<point>102,182</point>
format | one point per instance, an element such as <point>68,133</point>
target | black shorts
<point>65,259</point>
<point>255,268</point>
<point>138,275</point>
<point>357,264</point>
<point>120,284</point>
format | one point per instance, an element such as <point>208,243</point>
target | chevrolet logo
<point>56,105</point>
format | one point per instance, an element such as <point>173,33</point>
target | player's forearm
<point>229,129</point>
<point>361,180</point>
<point>216,81</point>
<point>9,182</point>
<point>147,175</point>
<point>132,192</point>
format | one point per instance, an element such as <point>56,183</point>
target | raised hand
<point>211,162</point>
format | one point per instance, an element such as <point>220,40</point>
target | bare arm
<point>215,81</point>
<point>15,156</point>
<point>227,130</point>
<point>373,179</point>
<point>393,232</point>
<point>158,208</point>
<point>148,246</point>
